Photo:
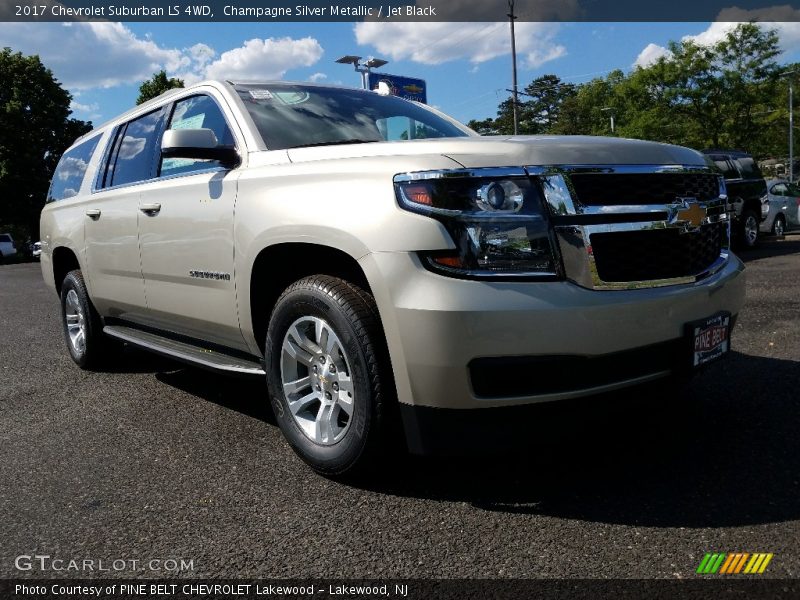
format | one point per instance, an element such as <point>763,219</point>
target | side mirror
<point>197,143</point>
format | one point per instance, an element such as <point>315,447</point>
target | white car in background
<point>7,247</point>
<point>784,206</point>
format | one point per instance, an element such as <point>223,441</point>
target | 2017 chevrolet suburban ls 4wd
<point>383,265</point>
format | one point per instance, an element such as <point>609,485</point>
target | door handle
<point>150,209</point>
<point>93,213</point>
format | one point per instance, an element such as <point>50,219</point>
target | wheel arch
<point>279,265</point>
<point>64,261</point>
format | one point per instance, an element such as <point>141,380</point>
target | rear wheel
<point>779,226</point>
<point>83,330</point>
<point>327,373</point>
<point>750,228</point>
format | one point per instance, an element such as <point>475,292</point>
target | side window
<point>196,112</point>
<point>749,168</point>
<point>134,156</point>
<point>71,169</point>
<point>728,169</point>
<point>405,128</point>
<point>780,189</point>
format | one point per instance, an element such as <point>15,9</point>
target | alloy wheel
<point>316,380</point>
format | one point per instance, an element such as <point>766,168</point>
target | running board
<point>202,357</point>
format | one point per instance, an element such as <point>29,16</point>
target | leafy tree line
<point>731,94</point>
<point>35,129</point>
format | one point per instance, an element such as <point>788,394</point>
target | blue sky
<point>467,65</point>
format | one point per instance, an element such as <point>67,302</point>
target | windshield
<point>296,116</point>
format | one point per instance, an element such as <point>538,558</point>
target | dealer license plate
<point>710,338</point>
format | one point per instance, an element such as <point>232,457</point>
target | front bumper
<point>437,327</point>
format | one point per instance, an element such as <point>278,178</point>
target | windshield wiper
<point>350,141</point>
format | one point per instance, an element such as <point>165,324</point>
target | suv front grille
<point>597,189</point>
<point>623,226</point>
<point>625,256</point>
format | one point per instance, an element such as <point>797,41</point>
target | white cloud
<point>265,59</point>
<point>91,55</point>
<point>201,54</point>
<point>317,77</point>
<point>84,108</point>
<point>102,55</point>
<point>784,19</point>
<point>436,43</point>
<point>650,55</point>
<point>788,31</point>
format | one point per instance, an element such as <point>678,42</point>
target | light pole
<point>788,75</point>
<point>512,17</point>
<point>610,111</point>
<point>372,63</point>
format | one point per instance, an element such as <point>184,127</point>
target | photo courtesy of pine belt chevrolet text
<point>385,268</point>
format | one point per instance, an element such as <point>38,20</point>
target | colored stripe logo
<point>733,563</point>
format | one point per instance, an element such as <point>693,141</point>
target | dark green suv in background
<point>747,192</point>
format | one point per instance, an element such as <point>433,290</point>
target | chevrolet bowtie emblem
<point>687,211</point>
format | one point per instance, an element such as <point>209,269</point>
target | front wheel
<point>750,224</point>
<point>326,373</point>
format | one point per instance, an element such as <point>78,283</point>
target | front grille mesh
<point>599,189</point>
<point>651,254</point>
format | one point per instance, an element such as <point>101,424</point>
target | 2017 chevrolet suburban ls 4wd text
<point>381,264</point>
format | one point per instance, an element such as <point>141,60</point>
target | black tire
<point>748,229</point>
<point>352,317</point>
<point>93,351</point>
<point>779,226</point>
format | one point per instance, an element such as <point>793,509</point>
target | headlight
<point>723,188</point>
<point>495,218</point>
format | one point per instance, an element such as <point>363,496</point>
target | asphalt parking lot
<point>159,461</point>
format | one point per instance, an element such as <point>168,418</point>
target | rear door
<point>186,233</point>
<point>112,245</point>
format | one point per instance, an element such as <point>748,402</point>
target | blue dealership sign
<point>404,87</point>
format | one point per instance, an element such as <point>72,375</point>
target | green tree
<point>538,108</point>
<point>717,95</point>
<point>588,110</point>
<point>728,94</point>
<point>544,98</point>
<point>504,122</point>
<point>35,129</point>
<point>157,85</point>
<point>484,127</point>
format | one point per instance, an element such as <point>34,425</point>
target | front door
<point>186,236</point>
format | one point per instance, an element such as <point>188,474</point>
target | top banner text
<point>397,10</point>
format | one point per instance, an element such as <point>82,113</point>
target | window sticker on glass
<point>170,164</point>
<point>193,122</point>
<point>260,94</point>
<point>293,97</point>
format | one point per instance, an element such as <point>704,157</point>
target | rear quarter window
<point>71,170</point>
<point>749,168</point>
<point>727,167</point>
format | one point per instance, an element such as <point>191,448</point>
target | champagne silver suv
<point>384,267</point>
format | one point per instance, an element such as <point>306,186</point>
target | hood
<point>506,151</point>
